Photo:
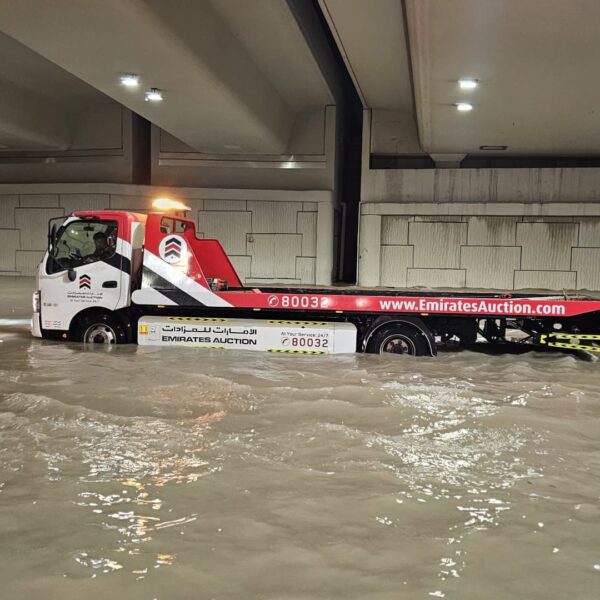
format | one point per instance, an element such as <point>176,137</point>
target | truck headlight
<point>36,301</point>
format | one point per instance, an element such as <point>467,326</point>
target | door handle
<point>109,284</point>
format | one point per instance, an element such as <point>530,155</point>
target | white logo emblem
<point>172,249</point>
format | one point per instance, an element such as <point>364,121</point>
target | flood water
<point>173,473</point>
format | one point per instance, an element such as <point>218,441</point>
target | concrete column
<point>365,172</point>
<point>369,226</point>
<point>369,250</point>
<point>324,267</point>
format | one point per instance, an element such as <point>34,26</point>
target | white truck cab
<point>87,267</point>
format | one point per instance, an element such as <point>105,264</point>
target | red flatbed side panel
<point>213,260</point>
<point>422,305</point>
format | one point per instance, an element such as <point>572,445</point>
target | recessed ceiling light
<point>464,107</point>
<point>130,80</point>
<point>467,84</point>
<point>154,95</point>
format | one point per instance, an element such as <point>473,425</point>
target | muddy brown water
<point>170,473</point>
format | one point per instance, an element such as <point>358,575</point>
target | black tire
<point>102,328</point>
<point>398,338</point>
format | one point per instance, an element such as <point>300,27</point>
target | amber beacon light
<point>169,205</point>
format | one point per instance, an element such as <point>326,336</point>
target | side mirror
<point>72,274</point>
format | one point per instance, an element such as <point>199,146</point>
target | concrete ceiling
<point>536,62</point>
<point>237,74</point>
<point>39,102</point>
<point>535,59</point>
<point>234,74</point>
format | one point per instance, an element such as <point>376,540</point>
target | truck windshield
<point>81,243</point>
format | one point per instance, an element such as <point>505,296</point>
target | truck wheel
<point>398,338</point>
<point>102,329</point>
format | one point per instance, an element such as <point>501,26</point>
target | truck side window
<point>166,225</point>
<point>82,243</point>
<point>169,225</point>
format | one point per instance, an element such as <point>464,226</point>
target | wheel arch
<point>80,317</point>
<point>414,322</point>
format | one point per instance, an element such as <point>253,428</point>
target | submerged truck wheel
<point>101,328</point>
<point>398,338</point>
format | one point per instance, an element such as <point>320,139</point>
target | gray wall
<point>273,214</point>
<point>309,162</point>
<point>271,235</point>
<point>475,249</point>
<point>478,228</point>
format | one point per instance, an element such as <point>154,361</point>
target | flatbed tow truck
<point>122,277</point>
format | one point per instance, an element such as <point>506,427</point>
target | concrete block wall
<point>271,236</point>
<point>265,240</point>
<point>501,246</point>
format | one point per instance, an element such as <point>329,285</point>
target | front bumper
<point>36,330</point>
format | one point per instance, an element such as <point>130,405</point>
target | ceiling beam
<point>417,24</point>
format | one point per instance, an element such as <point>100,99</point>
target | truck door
<point>82,270</point>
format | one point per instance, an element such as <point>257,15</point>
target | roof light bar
<point>167,204</point>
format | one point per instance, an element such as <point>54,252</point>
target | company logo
<point>85,282</point>
<point>273,301</point>
<point>172,249</point>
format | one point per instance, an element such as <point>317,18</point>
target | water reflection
<point>141,513</point>
<point>127,464</point>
